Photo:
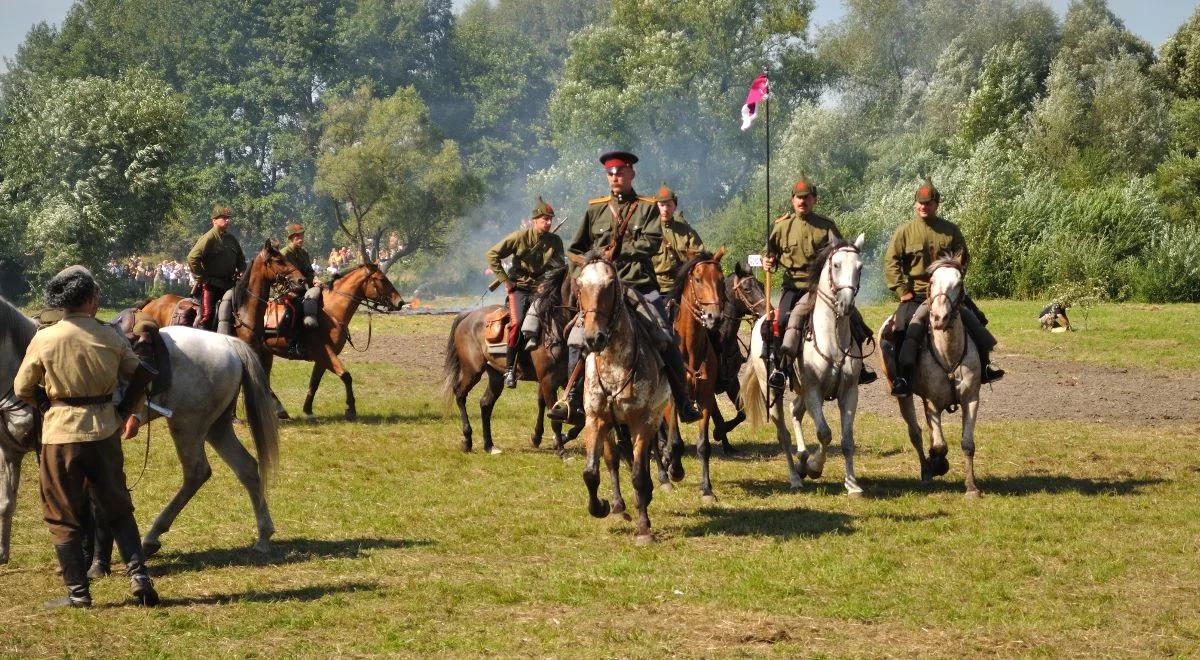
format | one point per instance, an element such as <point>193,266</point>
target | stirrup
<point>688,412</point>
<point>900,387</point>
<point>778,379</point>
<point>510,378</point>
<point>866,376</point>
<point>560,411</point>
<point>991,374</point>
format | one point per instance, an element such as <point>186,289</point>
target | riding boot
<point>676,376</point>
<point>102,548</point>
<point>295,346</point>
<point>906,358</point>
<point>860,332</point>
<point>510,370</point>
<point>990,374</point>
<point>778,378</point>
<point>70,559</point>
<point>570,407</point>
<point>129,542</point>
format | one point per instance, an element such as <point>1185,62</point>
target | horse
<point>467,360</point>
<point>699,295</point>
<point>948,374</point>
<point>744,299</point>
<point>624,385</point>
<point>828,367</point>
<point>365,284</point>
<point>208,372</point>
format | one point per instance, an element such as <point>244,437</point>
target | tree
<point>387,169</point>
<point>1004,92</point>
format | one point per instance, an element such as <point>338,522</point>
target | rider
<point>795,240</point>
<point>634,263</point>
<point>915,245</point>
<point>679,240</point>
<point>217,261</point>
<point>534,251</point>
<point>295,254</point>
<point>77,361</point>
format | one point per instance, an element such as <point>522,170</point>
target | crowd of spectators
<point>168,275</point>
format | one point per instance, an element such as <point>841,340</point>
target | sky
<point>1152,20</point>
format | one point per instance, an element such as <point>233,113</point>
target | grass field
<point>391,541</point>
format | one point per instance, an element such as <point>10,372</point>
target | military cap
<point>221,211</point>
<point>803,187</point>
<point>613,160</point>
<point>665,194</point>
<point>294,229</point>
<point>542,209</point>
<point>927,192</point>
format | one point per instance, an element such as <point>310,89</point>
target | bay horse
<point>467,360</point>
<point>624,385</point>
<point>365,284</point>
<point>745,298</point>
<point>208,372</point>
<point>827,369</point>
<point>699,295</point>
<point>947,376</point>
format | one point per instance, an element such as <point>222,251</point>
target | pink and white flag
<point>758,92</point>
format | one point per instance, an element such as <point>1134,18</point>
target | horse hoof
<point>854,494</point>
<point>3,559</point>
<point>495,451</point>
<point>310,418</point>
<point>351,416</point>
<point>536,441</point>
<point>643,540</point>
<point>262,547</point>
<point>708,499</point>
<point>939,465</point>
<point>599,508</point>
<point>972,494</point>
<point>283,414</point>
<point>151,548</point>
<point>666,487</point>
<point>813,474</point>
<point>626,517</point>
<point>617,507</point>
<point>796,481</point>
<point>466,447</point>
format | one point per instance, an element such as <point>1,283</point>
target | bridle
<point>611,317</point>
<point>373,305</point>
<point>697,306</point>
<point>956,302</point>
<point>830,297</point>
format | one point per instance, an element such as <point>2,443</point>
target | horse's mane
<point>344,271</point>
<point>818,262</point>
<point>683,272</point>
<point>549,290</point>
<point>946,258</point>
<point>243,285</point>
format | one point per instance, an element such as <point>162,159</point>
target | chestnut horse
<point>467,360</point>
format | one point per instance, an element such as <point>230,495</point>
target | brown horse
<point>745,299</point>
<point>699,296</point>
<point>364,284</point>
<point>467,360</point>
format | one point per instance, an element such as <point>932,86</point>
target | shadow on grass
<point>885,488</point>
<point>419,417</point>
<point>785,523</point>
<point>298,594</point>
<point>283,552</point>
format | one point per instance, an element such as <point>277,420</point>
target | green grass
<point>391,541</point>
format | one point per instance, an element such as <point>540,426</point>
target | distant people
<point>310,305</point>
<point>216,260</point>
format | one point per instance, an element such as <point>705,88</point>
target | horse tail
<point>751,397</point>
<point>260,411</point>
<point>452,367</point>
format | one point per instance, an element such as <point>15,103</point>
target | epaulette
<point>783,217</point>
<point>650,200</point>
<point>600,200</point>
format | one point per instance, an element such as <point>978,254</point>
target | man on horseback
<point>795,240</point>
<point>310,305</point>
<point>915,245</point>
<point>534,252</point>
<point>679,239</point>
<point>216,261</point>
<point>631,224</point>
<point>77,362</point>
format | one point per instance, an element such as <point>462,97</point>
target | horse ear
<point>720,253</point>
<point>741,269</point>
<point>691,254</point>
<point>832,237</point>
<point>267,245</point>
<point>858,242</point>
<point>576,259</point>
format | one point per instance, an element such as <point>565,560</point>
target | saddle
<point>495,326</point>
<point>186,312</point>
<point>142,333</point>
<point>281,316</point>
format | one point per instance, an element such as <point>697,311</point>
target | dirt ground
<point>1031,389</point>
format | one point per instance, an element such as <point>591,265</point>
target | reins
<point>951,371</point>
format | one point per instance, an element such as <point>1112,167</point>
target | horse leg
<point>848,406</point>
<point>795,474</point>
<point>662,455</point>
<point>938,464</point>
<point>10,481</point>
<point>268,360</point>
<point>908,410</point>
<point>723,426</point>
<point>815,465</point>
<point>970,409</point>
<point>495,385</point>
<point>314,381</point>
<point>339,370</point>
<point>461,390</point>
<point>597,438</point>
<point>539,427</point>
<point>704,452</point>
<point>245,467</point>
<point>189,446</point>
<point>612,458</point>
<point>643,487</point>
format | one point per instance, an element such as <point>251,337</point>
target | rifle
<point>553,230</point>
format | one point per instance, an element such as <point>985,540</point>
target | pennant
<point>758,92</point>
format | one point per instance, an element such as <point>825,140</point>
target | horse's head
<point>599,291</point>
<point>746,292</point>
<point>377,288</point>
<point>840,273</point>
<point>276,269</point>
<point>946,290</point>
<point>700,288</point>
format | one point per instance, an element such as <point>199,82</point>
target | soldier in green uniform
<point>310,304</point>
<point>77,362</point>
<point>635,266</point>
<point>795,240</point>
<point>534,251</point>
<point>679,239</point>
<point>915,245</point>
<point>216,260</point>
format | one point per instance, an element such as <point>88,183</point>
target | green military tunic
<point>643,237</point>
<point>679,238</point>
<point>795,242</point>
<point>915,245</point>
<point>216,258</point>
<point>300,258</point>
<point>532,255</point>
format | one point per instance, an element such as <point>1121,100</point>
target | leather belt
<point>82,400</point>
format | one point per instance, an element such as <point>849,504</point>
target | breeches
<point>518,304</point>
<point>209,299</point>
<point>67,471</point>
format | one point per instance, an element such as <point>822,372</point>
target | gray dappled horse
<point>208,371</point>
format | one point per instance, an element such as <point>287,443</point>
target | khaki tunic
<point>643,237</point>
<point>678,239</point>
<point>300,258</point>
<point>795,242</point>
<point>216,258</point>
<point>915,245</point>
<point>532,255</point>
<point>76,357</point>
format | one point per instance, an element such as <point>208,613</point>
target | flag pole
<point>767,234</point>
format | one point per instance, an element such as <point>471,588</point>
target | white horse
<point>208,370</point>
<point>828,368</point>
<point>948,374</point>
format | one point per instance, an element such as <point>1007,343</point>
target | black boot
<point>990,374</point>
<point>101,552</point>
<point>296,346</point>
<point>129,542</point>
<point>866,376</point>
<point>510,371</point>
<point>684,406</point>
<point>70,559</point>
